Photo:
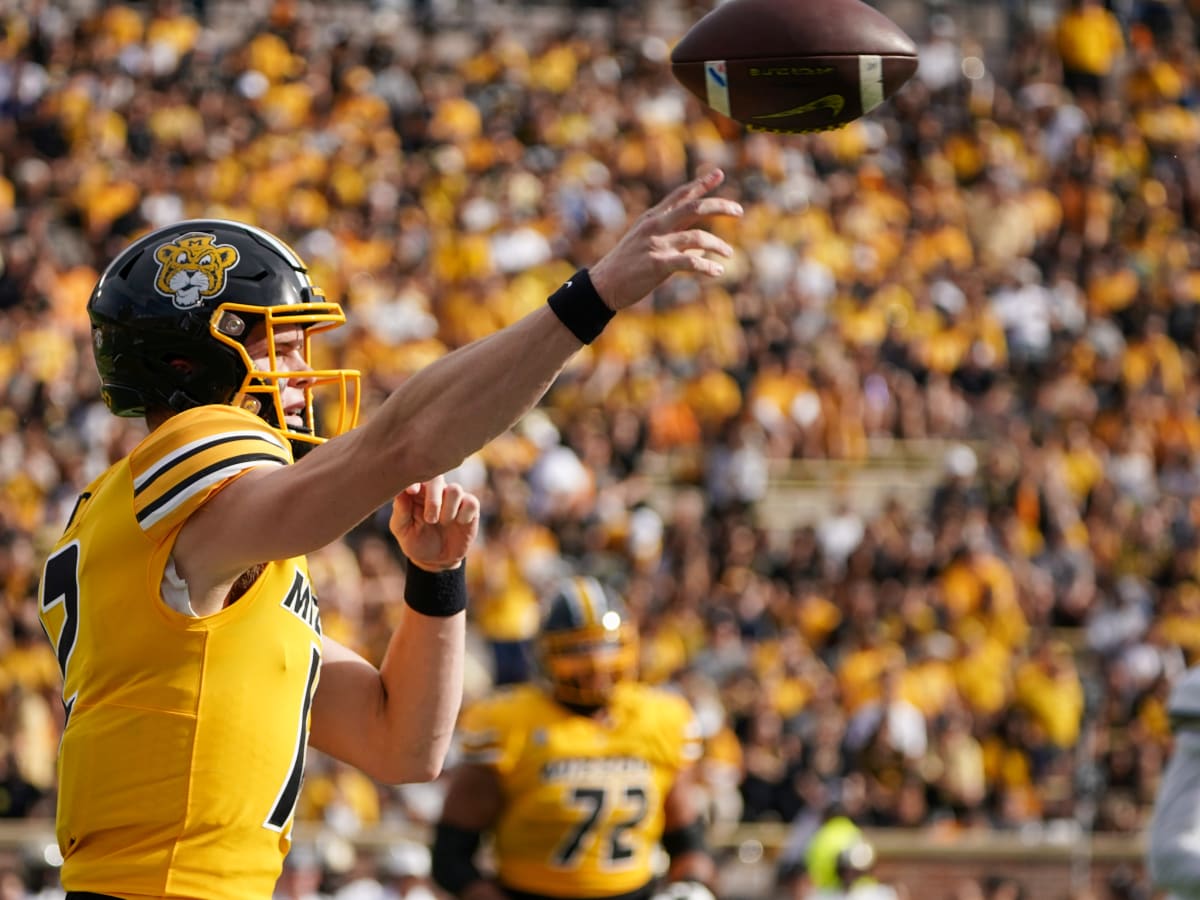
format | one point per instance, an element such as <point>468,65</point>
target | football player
<point>1173,839</point>
<point>178,599</point>
<point>580,777</point>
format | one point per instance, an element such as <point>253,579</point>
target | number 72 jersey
<point>583,797</point>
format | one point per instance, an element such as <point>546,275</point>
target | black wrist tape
<point>687,839</point>
<point>580,308</point>
<point>438,594</point>
<point>453,858</point>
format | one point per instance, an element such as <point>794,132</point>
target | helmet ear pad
<point>193,377</point>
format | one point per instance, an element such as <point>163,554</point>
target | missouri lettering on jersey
<point>180,782</point>
<point>583,797</point>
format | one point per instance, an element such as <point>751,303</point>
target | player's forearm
<point>457,404</point>
<point>428,426</point>
<point>422,676</point>
<point>694,866</point>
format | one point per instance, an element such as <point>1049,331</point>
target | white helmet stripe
<point>283,249</point>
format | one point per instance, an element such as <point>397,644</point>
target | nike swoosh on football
<point>834,102</point>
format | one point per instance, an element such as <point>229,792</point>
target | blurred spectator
<point>1091,43</point>
<point>835,862</point>
<point>966,325</point>
<point>301,876</point>
<point>405,872</point>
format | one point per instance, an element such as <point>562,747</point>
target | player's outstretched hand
<point>435,523</point>
<point>667,238</point>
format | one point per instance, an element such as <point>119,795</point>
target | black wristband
<point>438,594</point>
<point>687,839</point>
<point>580,308</point>
<point>453,858</point>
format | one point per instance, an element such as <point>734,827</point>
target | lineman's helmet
<point>587,644</point>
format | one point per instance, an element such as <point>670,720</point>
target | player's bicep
<point>473,799</point>
<point>348,696</point>
<point>268,513</point>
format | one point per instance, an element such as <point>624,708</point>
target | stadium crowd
<point>1002,262</point>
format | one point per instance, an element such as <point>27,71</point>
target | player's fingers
<point>692,190</point>
<point>468,509</point>
<point>703,208</point>
<point>402,510</point>
<point>699,239</point>
<point>451,499</point>
<point>718,206</point>
<point>433,498</point>
<point>695,261</point>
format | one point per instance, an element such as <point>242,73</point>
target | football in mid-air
<point>790,66</point>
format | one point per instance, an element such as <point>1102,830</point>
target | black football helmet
<point>171,315</point>
<point>586,645</point>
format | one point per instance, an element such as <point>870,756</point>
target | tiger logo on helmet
<point>192,268</point>
<point>587,644</point>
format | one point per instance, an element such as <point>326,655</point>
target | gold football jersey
<point>184,748</point>
<point>583,797</point>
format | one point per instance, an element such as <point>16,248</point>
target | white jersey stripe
<point>199,486</point>
<point>187,449</point>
